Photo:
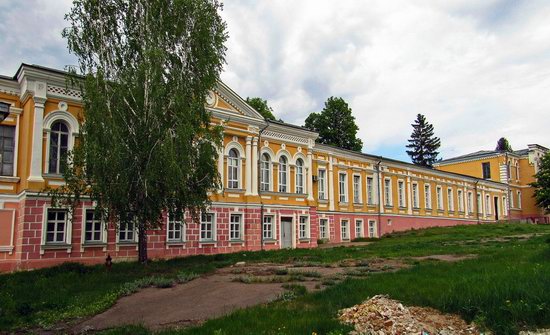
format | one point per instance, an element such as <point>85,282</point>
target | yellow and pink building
<point>281,189</point>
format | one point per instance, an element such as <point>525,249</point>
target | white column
<point>254,164</point>
<point>248,166</point>
<point>309,180</point>
<point>37,133</point>
<point>330,188</point>
<point>380,191</point>
<point>221,160</point>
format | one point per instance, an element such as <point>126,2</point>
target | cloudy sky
<point>478,70</point>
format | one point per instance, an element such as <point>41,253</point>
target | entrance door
<point>286,232</point>
<point>496,208</point>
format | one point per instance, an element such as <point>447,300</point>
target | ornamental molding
<point>64,93</point>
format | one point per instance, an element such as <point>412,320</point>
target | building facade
<point>281,189</point>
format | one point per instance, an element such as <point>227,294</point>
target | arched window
<point>233,170</point>
<point>265,175</point>
<point>283,174</point>
<point>299,176</point>
<point>59,143</point>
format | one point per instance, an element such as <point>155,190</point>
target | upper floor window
<point>450,200</point>
<point>370,191</point>
<point>401,193</point>
<point>300,176</point>
<point>59,144</point>
<point>470,203</point>
<point>428,196</point>
<point>460,201</point>
<point>342,187</point>
<point>233,169</point>
<point>486,167</point>
<point>283,174</point>
<point>387,192</point>
<point>439,195</point>
<point>322,176</point>
<point>415,198</point>
<point>7,148</point>
<point>265,173</point>
<point>357,189</point>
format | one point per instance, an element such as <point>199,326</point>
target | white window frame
<point>214,228</point>
<point>428,195</point>
<point>73,129</point>
<point>450,199</point>
<point>322,184</point>
<point>460,196</point>
<point>240,231</point>
<point>175,223</point>
<point>271,225</point>
<point>519,199</point>
<point>401,193</point>
<point>370,191</point>
<point>323,232</point>
<point>67,231</point>
<point>238,167</point>
<point>470,202</point>
<point>15,148</point>
<point>357,190</point>
<point>359,233</point>
<point>103,239</point>
<point>344,228</point>
<point>488,209</point>
<point>283,187</point>
<point>343,187</point>
<point>266,186</point>
<point>504,206</point>
<point>372,228</point>
<point>303,227</point>
<point>300,185</point>
<point>512,201</point>
<point>479,199</point>
<point>388,192</point>
<point>415,195</point>
<point>439,196</point>
<point>127,241</point>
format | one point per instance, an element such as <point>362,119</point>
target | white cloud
<point>479,70</point>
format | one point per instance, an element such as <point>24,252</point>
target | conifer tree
<point>503,145</point>
<point>542,183</point>
<point>423,143</point>
<point>335,125</point>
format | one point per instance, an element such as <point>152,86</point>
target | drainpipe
<point>509,191</point>
<point>477,201</point>
<point>379,198</point>
<point>258,182</point>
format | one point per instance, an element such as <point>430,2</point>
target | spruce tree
<point>423,143</point>
<point>503,145</point>
<point>335,125</point>
<point>542,183</point>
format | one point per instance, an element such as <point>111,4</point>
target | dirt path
<point>227,290</point>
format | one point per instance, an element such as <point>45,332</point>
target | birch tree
<point>146,145</point>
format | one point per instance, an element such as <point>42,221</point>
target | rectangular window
<point>268,227</point>
<point>56,226</point>
<point>235,225</point>
<point>93,228</point>
<point>401,193</point>
<point>358,228</point>
<point>387,192</point>
<point>479,204</point>
<point>304,229</point>
<point>322,177</point>
<point>450,200</point>
<point>415,196</point>
<point>470,202</point>
<point>504,206</point>
<point>207,227</point>
<point>428,196</point>
<point>372,227</point>
<point>439,195</point>
<point>344,226</point>
<point>323,228</point>
<point>519,199</point>
<point>126,232</point>
<point>357,189</point>
<point>487,205</point>
<point>512,202</point>
<point>486,167</point>
<point>460,201</point>
<point>175,229</point>
<point>7,149</point>
<point>342,182</point>
<point>370,191</point>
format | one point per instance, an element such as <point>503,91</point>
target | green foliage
<point>261,106</point>
<point>335,125</point>
<point>147,142</point>
<point>503,145</point>
<point>423,143</point>
<point>542,183</point>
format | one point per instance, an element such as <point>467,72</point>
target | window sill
<point>234,190</point>
<point>236,241</point>
<point>388,206</point>
<point>202,242</point>
<point>93,244</point>
<point>346,239</point>
<point>270,241</point>
<point>126,243</point>
<point>175,243</point>
<point>304,239</point>
<point>9,179</point>
<point>56,246</point>
<point>52,175</point>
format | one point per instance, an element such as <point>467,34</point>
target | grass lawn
<point>506,288</point>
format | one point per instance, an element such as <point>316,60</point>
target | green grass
<point>514,270</point>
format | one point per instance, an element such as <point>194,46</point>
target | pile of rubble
<point>381,315</point>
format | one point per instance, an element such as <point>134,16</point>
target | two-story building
<point>281,189</point>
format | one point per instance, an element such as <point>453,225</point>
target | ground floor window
<point>93,227</point>
<point>304,227</point>
<point>323,228</point>
<point>176,231</point>
<point>372,228</point>
<point>235,225</point>
<point>207,227</point>
<point>56,226</point>
<point>268,227</point>
<point>358,228</point>
<point>126,232</point>
<point>344,226</point>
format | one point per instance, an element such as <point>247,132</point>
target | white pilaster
<point>37,134</point>
<point>309,181</point>
<point>248,166</point>
<point>409,195</point>
<point>380,191</point>
<point>221,159</point>
<point>330,188</point>
<point>254,164</point>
